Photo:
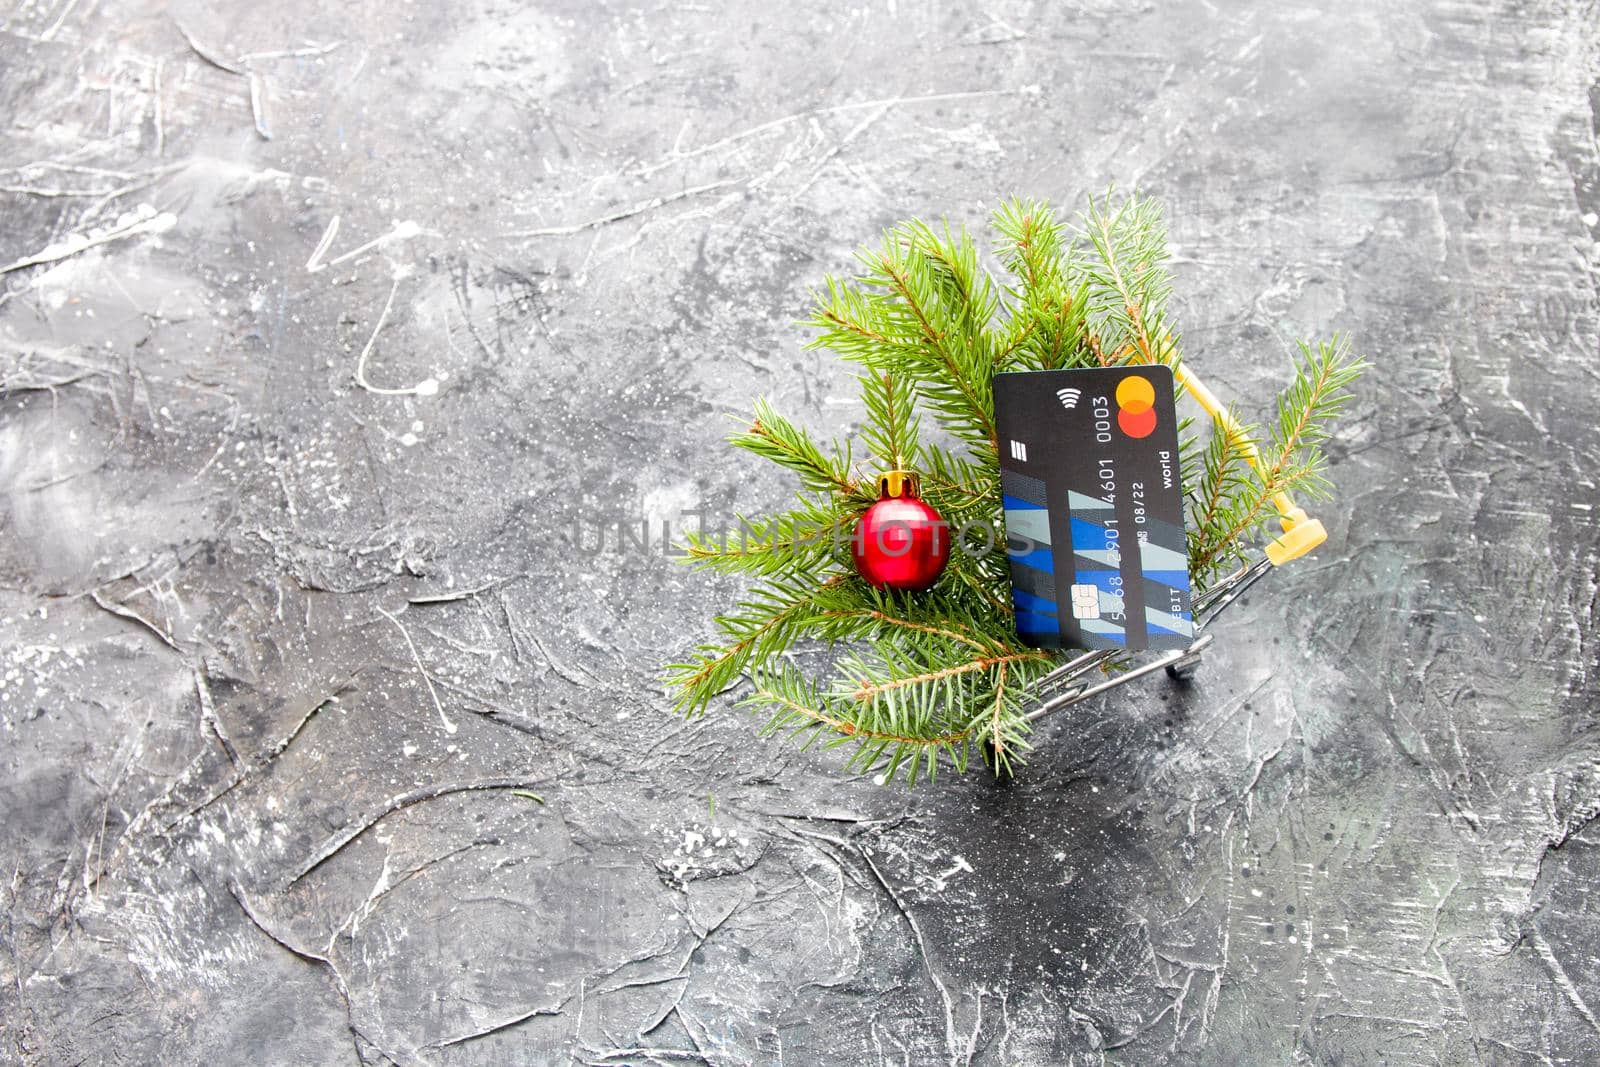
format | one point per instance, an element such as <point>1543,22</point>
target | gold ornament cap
<point>899,483</point>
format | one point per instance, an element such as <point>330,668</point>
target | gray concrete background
<point>237,826</point>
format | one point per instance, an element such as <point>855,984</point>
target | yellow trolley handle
<point>1301,533</point>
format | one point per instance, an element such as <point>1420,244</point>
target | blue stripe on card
<point>1089,537</point>
<point>1030,623</point>
<point>1026,601</point>
<point>1039,559</point>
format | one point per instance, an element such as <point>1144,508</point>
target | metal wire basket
<point>1068,684</point>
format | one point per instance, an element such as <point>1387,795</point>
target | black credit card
<point>1094,507</point>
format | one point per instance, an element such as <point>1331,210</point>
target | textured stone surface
<point>256,776</point>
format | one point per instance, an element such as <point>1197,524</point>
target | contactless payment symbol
<point>1136,406</point>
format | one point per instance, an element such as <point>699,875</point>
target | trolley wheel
<point>1183,668</point>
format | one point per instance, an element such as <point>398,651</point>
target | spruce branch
<point>1319,393</point>
<point>773,437</point>
<point>867,690</point>
<point>1030,244</point>
<point>1292,462</point>
<point>891,430</point>
<point>996,715</point>
<point>923,309</point>
<point>1225,473</point>
<point>966,291</point>
<point>915,679</point>
<point>1001,607</point>
<point>874,615</point>
<point>1128,281</point>
<point>799,541</point>
<point>1000,725</point>
<point>952,382</point>
<point>1049,314</point>
<point>797,707</point>
<point>766,624</point>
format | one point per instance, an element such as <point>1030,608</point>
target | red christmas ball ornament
<point>900,542</point>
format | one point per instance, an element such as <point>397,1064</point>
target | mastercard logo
<point>1136,406</point>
